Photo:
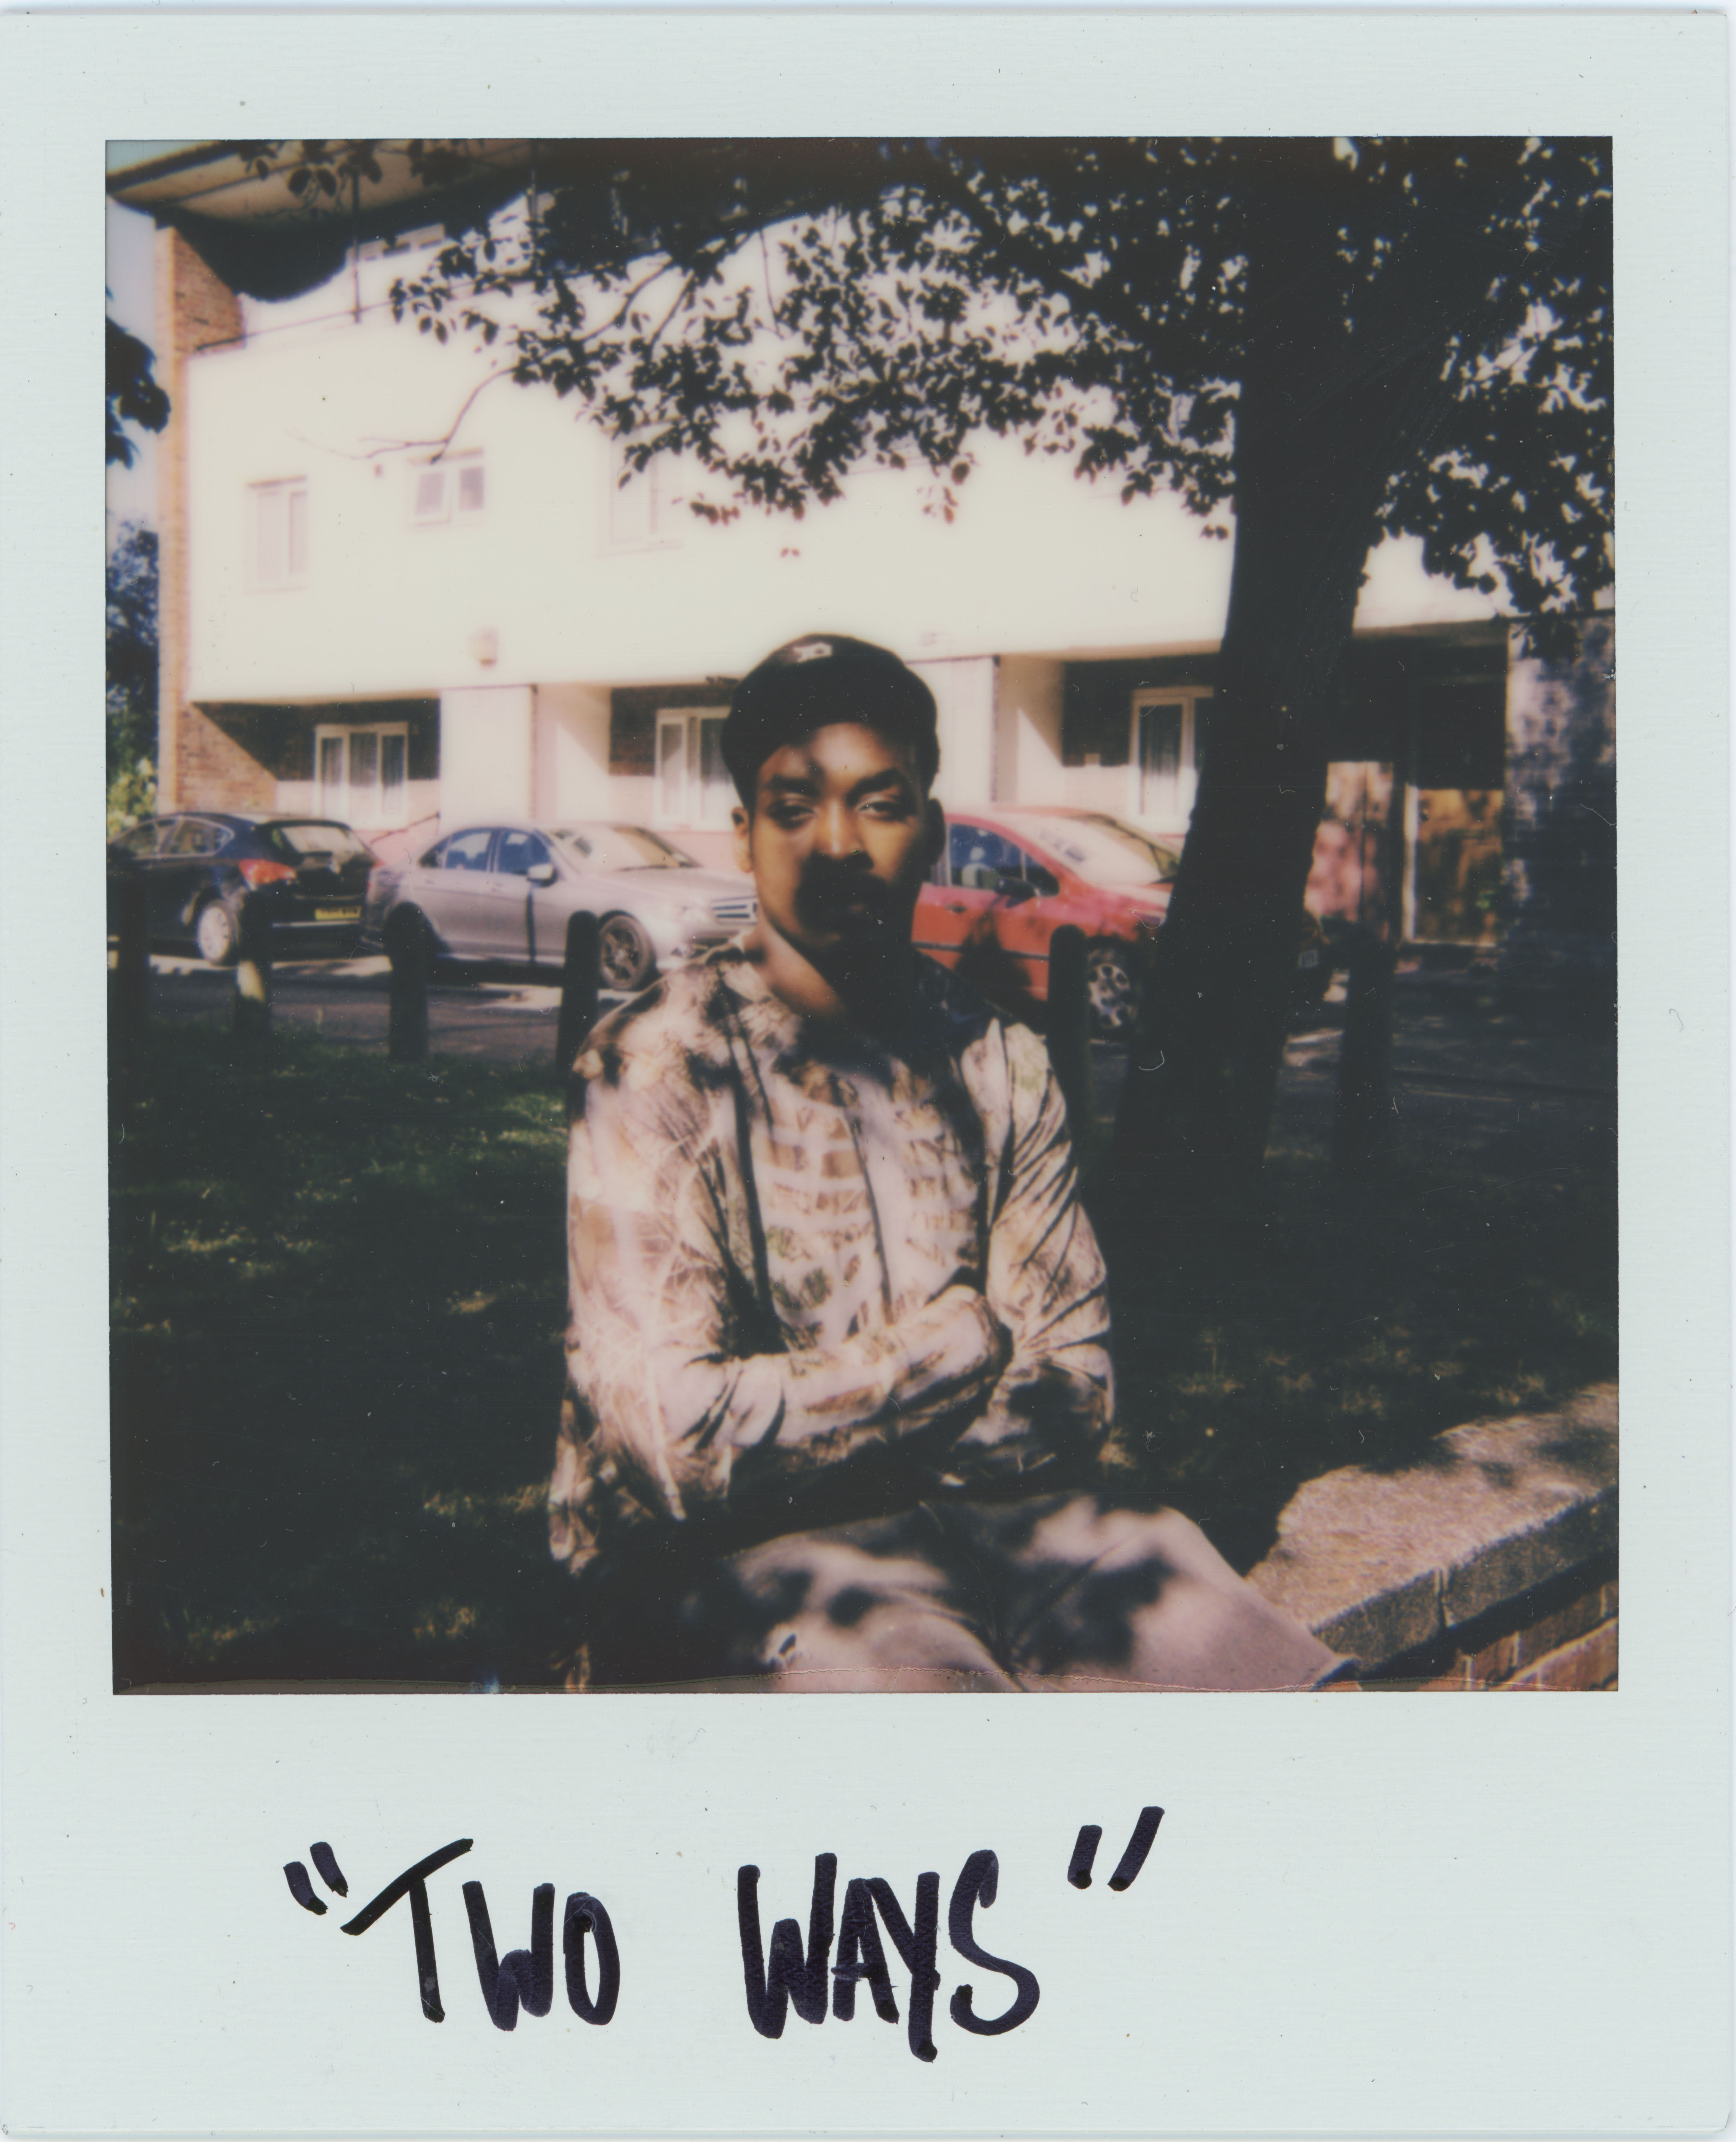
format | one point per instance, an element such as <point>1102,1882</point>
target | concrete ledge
<point>1380,1564</point>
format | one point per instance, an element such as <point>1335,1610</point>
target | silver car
<point>502,894</point>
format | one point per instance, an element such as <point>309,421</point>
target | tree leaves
<point>131,645</point>
<point>133,395</point>
<point>786,312</point>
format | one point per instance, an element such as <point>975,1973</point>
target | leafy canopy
<point>131,645</point>
<point>133,395</point>
<point>785,311</point>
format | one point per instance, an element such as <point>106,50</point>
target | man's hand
<point>956,1346</point>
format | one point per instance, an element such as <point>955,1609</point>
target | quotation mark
<point>1127,1870</point>
<point>413,1883</point>
<point>330,1873</point>
<point>522,1978</point>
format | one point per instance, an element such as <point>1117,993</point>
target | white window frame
<point>1190,698</point>
<point>295,574</point>
<point>684,817</point>
<point>377,820</point>
<point>646,492</point>
<point>450,507</point>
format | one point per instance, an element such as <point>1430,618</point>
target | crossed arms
<point>695,1397</point>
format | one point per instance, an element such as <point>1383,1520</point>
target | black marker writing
<point>413,1884</point>
<point>1091,1835</point>
<point>796,1975</point>
<point>977,1884</point>
<point>917,1945</point>
<point>794,1979</point>
<point>522,1978</point>
<point>859,1957</point>
<point>525,1975</point>
<point>584,1915</point>
<point>330,1873</point>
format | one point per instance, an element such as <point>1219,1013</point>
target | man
<point>838,1360</point>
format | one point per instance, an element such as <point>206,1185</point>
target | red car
<point>1013,876</point>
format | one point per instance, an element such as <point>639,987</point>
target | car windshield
<point>1103,850</point>
<point>621,847</point>
<point>301,838</point>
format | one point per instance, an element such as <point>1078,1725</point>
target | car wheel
<point>217,933</point>
<point>408,933</point>
<point>1113,992</point>
<point>625,954</point>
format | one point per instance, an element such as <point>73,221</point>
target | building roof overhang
<point>236,203</point>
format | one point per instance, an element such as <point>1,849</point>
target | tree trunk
<point>1326,418</point>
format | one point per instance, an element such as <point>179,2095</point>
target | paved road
<point>1469,1075</point>
<point>347,1000</point>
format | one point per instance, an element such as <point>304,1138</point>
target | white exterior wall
<point>964,701</point>
<point>487,752</point>
<point>1034,560</point>
<point>1036,568</point>
<point>571,775</point>
<point>1028,731</point>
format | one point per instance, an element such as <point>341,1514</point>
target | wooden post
<point>579,986</point>
<point>250,1018</point>
<point>1069,1039</point>
<point>1363,1125</point>
<point>407,1023</point>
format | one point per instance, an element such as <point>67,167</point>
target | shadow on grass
<point>338,1296</point>
<point>1354,1321</point>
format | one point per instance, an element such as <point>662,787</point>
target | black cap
<point>825,677</point>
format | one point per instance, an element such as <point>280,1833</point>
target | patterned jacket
<point>811,1278</point>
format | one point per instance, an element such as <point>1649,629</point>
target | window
<point>519,852</point>
<point>301,838</point>
<point>198,837</point>
<point>142,840</point>
<point>466,851</point>
<point>362,774</point>
<point>1168,747</point>
<point>277,532</point>
<point>985,849</point>
<point>455,487</point>
<point>622,848</point>
<point>693,787</point>
<point>639,509</point>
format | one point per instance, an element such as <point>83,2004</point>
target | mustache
<point>828,888</point>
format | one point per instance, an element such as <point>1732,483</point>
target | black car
<point>307,875</point>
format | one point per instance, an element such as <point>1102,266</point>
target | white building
<point>361,621</point>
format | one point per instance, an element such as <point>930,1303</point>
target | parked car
<point>308,876</point>
<point>502,894</point>
<point>1013,876</point>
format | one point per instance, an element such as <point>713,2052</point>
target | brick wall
<point>194,310</point>
<point>1562,1636</point>
<point>1491,1565</point>
<point>215,770</point>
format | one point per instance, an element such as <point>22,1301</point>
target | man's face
<point>839,841</point>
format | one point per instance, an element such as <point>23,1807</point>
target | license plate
<point>338,913</point>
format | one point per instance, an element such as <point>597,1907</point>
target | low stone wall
<point>1489,1564</point>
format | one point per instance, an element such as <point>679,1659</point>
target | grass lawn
<point>338,1291</point>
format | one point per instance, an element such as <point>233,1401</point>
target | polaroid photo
<point>864,940</point>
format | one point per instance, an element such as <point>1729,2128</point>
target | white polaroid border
<point>1395,1915</point>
